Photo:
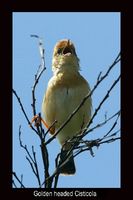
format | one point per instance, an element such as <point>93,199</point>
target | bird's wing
<point>49,108</point>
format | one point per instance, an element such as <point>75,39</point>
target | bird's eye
<point>59,51</point>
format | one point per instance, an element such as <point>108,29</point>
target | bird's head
<point>64,56</point>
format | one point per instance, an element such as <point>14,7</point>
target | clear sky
<point>96,36</point>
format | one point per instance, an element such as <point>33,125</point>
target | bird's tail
<point>69,167</point>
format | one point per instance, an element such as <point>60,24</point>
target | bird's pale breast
<point>62,97</point>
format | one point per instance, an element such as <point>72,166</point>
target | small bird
<point>65,91</point>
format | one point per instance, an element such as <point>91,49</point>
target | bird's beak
<point>68,42</point>
<point>67,48</point>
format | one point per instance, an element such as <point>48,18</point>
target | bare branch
<point>99,76</point>
<point>14,174</point>
<point>113,126</point>
<point>45,158</point>
<point>103,123</point>
<point>24,146</point>
<point>21,180</point>
<point>42,134</point>
<point>57,174</point>
<point>36,167</point>
<point>13,182</point>
<point>31,164</point>
<point>94,143</point>
<point>108,136</point>
<point>110,140</point>
<point>40,71</point>
<point>21,105</point>
<point>32,161</point>
<point>99,106</point>
<point>23,110</point>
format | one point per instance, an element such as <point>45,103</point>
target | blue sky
<point>96,36</point>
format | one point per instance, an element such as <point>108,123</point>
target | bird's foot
<point>37,119</point>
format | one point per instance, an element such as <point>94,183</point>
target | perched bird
<point>65,91</point>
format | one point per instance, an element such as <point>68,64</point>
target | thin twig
<point>56,180</point>
<point>39,73</point>
<point>24,146</point>
<point>57,175</point>
<point>45,158</point>
<point>42,134</point>
<point>21,180</point>
<point>31,164</point>
<point>95,141</point>
<point>102,123</point>
<point>14,174</point>
<point>36,167</point>
<point>93,144</point>
<point>108,136</point>
<point>110,140</point>
<point>113,126</point>
<point>13,182</point>
<point>101,103</point>
<point>23,110</point>
<point>32,161</point>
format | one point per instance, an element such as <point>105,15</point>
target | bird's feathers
<point>65,91</point>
